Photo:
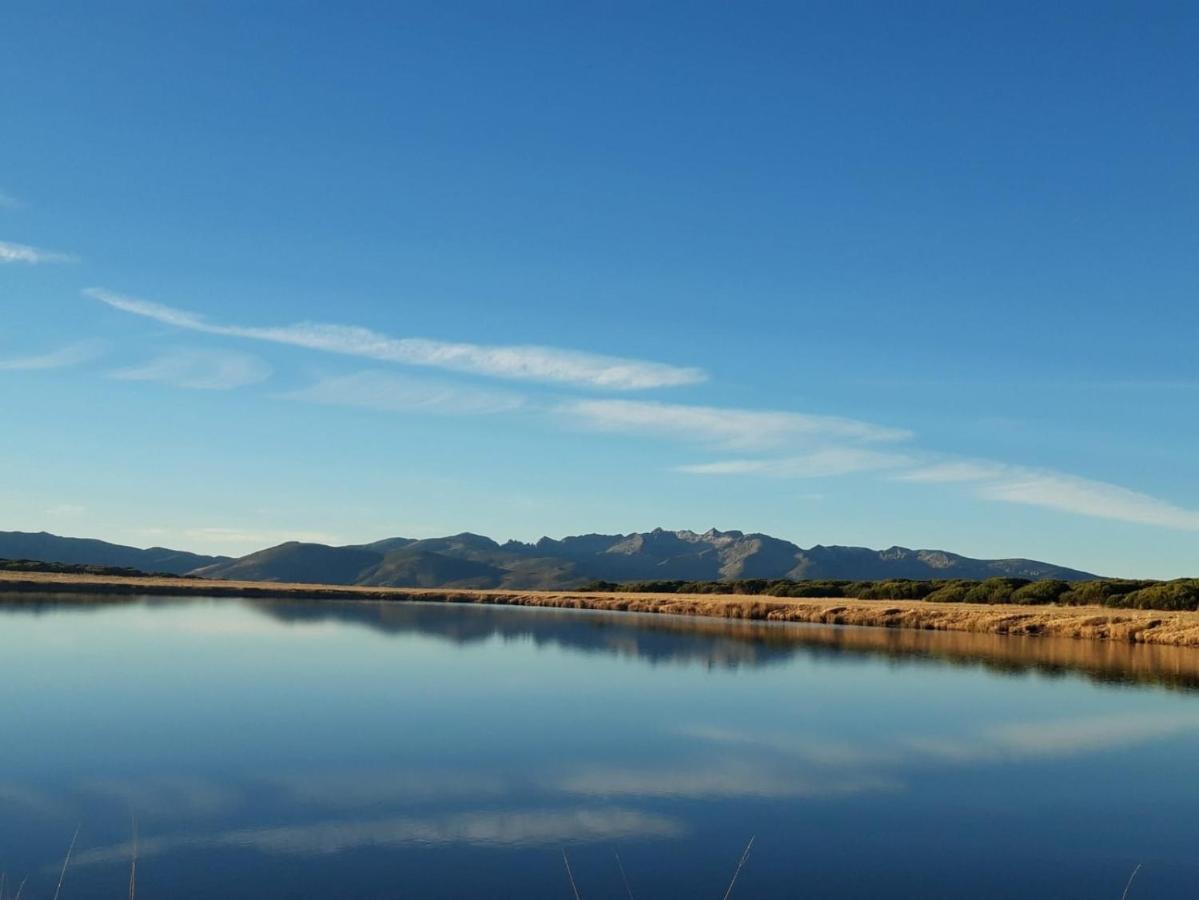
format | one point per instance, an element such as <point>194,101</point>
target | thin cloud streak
<point>8,201</point>
<point>23,253</point>
<point>1092,733</point>
<point>528,363</point>
<point>1060,491</point>
<point>495,828</point>
<point>385,392</point>
<point>1013,741</point>
<point>206,370</point>
<point>731,428</point>
<point>825,462</point>
<point>71,355</point>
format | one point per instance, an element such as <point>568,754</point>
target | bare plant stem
<point>133,862</point>
<point>66,862</point>
<point>1128,886</point>
<point>740,865</point>
<point>570,875</point>
<point>623,877</point>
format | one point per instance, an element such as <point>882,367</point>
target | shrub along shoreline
<point>1114,593</point>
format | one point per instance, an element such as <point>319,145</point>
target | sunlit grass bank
<point>1178,628</point>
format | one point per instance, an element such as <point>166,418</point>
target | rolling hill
<point>46,547</point>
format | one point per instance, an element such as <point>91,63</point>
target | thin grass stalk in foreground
<point>20,888</point>
<point>66,862</point>
<point>623,877</point>
<point>740,865</point>
<point>1128,886</point>
<point>570,875</point>
<point>133,862</point>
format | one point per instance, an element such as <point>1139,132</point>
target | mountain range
<point>45,547</point>
<point>474,561</point>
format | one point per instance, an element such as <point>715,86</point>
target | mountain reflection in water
<point>733,643</point>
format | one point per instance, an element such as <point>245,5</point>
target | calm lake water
<point>287,749</point>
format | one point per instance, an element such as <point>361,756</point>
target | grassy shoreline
<point>1178,629</point>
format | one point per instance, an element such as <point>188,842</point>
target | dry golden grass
<point>1178,629</point>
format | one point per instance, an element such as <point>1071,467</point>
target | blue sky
<point>844,273</point>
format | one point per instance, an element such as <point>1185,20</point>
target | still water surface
<point>288,749</point>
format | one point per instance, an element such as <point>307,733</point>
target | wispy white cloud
<point>742,429</point>
<point>826,461</point>
<point>498,828</point>
<point>156,311</point>
<point>1089,498</point>
<point>211,370</point>
<point>8,201</point>
<point>530,363</point>
<point>1001,742</point>
<point>71,355</point>
<point>1092,733</point>
<point>23,253</point>
<point>1052,738</point>
<point>398,393</point>
<point>1057,490</point>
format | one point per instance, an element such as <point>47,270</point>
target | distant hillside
<point>295,561</point>
<point>57,568</point>
<point>473,561</point>
<point>44,547</point>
